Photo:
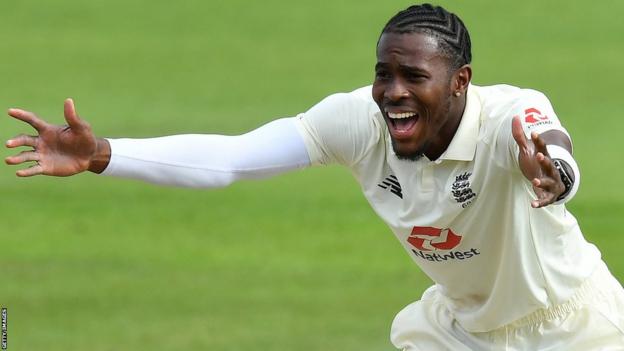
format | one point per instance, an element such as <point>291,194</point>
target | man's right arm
<point>181,160</point>
<point>340,129</point>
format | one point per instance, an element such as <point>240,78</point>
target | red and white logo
<point>533,115</point>
<point>433,239</point>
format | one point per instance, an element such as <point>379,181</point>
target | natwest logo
<point>428,239</point>
<point>433,239</point>
<point>533,115</point>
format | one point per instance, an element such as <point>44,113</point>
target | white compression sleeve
<point>210,161</point>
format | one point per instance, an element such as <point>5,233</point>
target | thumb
<point>71,116</point>
<point>518,134</point>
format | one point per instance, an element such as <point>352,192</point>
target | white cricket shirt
<point>466,218</point>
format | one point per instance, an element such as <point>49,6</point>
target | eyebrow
<point>413,69</point>
<point>380,65</point>
<point>405,68</point>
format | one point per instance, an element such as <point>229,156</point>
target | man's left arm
<point>546,161</point>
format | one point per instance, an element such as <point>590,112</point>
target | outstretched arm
<point>537,164</point>
<point>181,160</point>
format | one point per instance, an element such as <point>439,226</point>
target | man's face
<point>414,93</point>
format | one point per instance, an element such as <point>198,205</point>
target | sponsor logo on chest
<point>437,244</point>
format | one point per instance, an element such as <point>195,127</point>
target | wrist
<point>568,171</point>
<point>101,157</point>
<point>566,176</point>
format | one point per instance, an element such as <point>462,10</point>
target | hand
<point>57,150</point>
<point>537,166</point>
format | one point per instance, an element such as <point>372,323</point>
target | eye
<point>382,74</point>
<point>415,77</point>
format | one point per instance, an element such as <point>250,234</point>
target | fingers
<point>549,186</point>
<point>547,166</point>
<point>69,111</point>
<point>71,116</point>
<point>544,197</point>
<point>22,140</point>
<point>544,183</point>
<point>27,117</point>
<point>518,134</point>
<point>30,171</point>
<point>24,156</point>
<point>543,202</point>
<point>540,144</point>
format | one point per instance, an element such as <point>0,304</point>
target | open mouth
<point>402,124</point>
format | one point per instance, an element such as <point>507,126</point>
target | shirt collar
<point>464,143</point>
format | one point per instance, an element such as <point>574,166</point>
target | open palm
<point>56,150</point>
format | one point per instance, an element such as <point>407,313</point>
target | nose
<point>396,90</point>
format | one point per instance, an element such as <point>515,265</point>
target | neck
<point>448,130</point>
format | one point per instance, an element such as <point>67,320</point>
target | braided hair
<point>449,30</point>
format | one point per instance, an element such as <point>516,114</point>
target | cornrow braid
<point>452,35</point>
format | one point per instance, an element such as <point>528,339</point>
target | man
<point>472,181</point>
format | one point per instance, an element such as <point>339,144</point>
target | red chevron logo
<point>533,115</point>
<point>433,239</point>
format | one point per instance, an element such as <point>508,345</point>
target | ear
<point>461,78</point>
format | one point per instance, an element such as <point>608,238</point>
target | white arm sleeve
<point>210,161</point>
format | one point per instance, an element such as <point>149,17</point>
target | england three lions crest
<point>461,191</point>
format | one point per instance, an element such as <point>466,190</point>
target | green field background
<point>297,262</point>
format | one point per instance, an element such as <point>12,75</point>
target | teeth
<point>401,115</point>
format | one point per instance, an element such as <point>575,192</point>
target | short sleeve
<point>536,115</point>
<point>341,129</point>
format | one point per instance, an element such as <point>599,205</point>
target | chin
<point>404,153</point>
<point>410,157</point>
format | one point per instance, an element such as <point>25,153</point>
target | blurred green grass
<point>295,262</point>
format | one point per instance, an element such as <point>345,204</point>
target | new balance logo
<point>391,183</point>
